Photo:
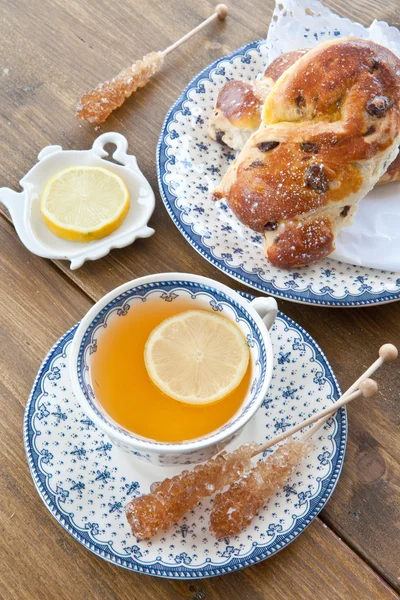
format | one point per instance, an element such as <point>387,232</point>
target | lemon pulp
<point>84,203</point>
<point>196,356</point>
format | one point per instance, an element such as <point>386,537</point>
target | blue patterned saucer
<point>85,481</point>
<point>189,166</point>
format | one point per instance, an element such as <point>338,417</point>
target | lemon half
<point>196,357</point>
<point>82,204</point>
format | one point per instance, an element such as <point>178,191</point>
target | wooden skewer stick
<point>367,389</point>
<point>363,386</point>
<point>387,353</point>
<point>221,12</point>
<point>319,417</point>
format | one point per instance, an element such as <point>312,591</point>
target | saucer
<point>24,207</point>
<point>85,481</point>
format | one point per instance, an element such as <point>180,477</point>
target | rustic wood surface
<point>50,53</point>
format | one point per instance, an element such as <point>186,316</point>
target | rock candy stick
<point>99,103</point>
<point>234,509</point>
<point>170,499</point>
<point>95,106</point>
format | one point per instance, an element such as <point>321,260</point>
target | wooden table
<point>52,51</point>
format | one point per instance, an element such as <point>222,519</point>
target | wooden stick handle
<point>220,12</point>
<point>317,417</point>
<point>387,353</point>
<point>308,434</point>
<point>367,389</point>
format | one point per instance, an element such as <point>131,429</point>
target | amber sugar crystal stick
<point>234,509</point>
<point>95,106</point>
<point>170,499</point>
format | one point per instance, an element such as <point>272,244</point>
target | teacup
<point>253,318</point>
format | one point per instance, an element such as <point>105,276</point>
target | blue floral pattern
<point>85,481</point>
<point>189,166</point>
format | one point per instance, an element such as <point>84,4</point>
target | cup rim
<point>166,447</point>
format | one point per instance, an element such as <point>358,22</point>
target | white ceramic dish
<point>253,318</point>
<point>24,207</point>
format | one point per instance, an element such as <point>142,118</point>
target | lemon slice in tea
<point>196,357</point>
<point>82,204</point>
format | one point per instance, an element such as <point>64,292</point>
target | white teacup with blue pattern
<point>253,318</point>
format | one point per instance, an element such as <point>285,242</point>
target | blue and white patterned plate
<point>85,481</point>
<point>189,166</point>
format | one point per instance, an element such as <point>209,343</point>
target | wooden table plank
<point>39,560</point>
<point>47,75</point>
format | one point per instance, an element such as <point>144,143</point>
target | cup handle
<point>267,308</point>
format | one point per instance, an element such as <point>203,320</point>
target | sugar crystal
<point>170,499</point>
<point>98,104</point>
<point>234,509</point>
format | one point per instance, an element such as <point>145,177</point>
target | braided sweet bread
<point>330,127</point>
<point>392,173</point>
<point>238,108</point>
<point>237,112</point>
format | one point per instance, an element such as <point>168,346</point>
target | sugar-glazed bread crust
<point>237,112</point>
<point>392,173</point>
<point>331,127</point>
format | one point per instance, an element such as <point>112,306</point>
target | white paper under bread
<point>374,238</point>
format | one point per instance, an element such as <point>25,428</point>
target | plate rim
<point>365,298</point>
<point>103,550</point>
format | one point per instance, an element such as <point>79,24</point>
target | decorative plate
<point>85,481</point>
<point>189,166</point>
